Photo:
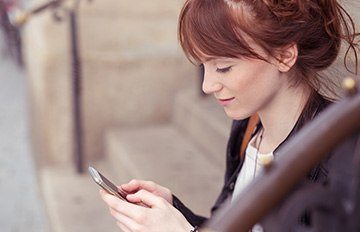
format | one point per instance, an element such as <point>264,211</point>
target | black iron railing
<point>71,12</point>
<point>9,31</point>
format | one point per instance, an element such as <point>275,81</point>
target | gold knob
<point>266,161</point>
<point>349,85</point>
<point>21,18</point>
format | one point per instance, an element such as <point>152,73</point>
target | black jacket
<point>234,164</point>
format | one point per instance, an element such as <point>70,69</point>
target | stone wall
<point>132,69</point>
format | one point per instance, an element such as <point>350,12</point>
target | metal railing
<point>10,33</point>
<point>336,205</point>
<point>61,10</point>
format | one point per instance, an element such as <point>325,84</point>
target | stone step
<point>129,89</point>
<point>165,155</point>
<point>204,121</point>
<point>73,202</point>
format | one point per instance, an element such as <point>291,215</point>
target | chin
<point>236,115</point>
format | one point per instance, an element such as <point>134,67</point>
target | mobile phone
<point>107,185</point>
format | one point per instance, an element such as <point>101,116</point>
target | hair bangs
<point>207,29</point>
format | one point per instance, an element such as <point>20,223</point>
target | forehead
<point>216,28</point>
<point>219,60</point>
<point>252,50</point>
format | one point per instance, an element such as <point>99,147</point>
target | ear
<point>287,57</point>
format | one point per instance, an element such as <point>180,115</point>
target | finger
<point>128,209</point>
<point>133,198</point>
<point>102,192</point>
<point>149,199</point>
<point>129,197</point>
<point>132,186</point>
<point>123,227</point>
<point>136,185</point>
<point>122,191</point>
<point>124,222</point>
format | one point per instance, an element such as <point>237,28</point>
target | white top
<point>249,172</point>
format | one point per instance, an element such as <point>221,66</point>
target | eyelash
<point>223,70</point>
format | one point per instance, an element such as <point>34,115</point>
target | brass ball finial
<point>266,160</point>
<point>21,18</point>
<point>349,85</point>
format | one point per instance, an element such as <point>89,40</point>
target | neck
<point>280,115</point>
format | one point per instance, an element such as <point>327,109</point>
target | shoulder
<point>315,106</point>
<point>339,160</point>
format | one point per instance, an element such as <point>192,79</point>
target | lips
<point>225,101</point>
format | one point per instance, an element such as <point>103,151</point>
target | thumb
<point>133,198</point>
<point>132,186</point>
<point>149,199</point>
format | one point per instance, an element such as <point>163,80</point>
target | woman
<point>262,58</point>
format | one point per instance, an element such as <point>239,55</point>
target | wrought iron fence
<point>60,10</point>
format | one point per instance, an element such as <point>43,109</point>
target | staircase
<point>181,144</point>
<point>142,110</point>
<point>130,52</point>
<point>186,155</point>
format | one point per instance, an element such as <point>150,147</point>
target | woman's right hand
<point>136,185</point>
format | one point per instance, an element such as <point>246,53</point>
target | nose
<point>210,83</point>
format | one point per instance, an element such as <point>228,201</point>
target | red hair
<point>219,28</point>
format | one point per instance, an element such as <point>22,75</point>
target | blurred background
<point>101,83</point>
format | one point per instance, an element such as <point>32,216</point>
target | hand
<point>136,185</point>
<point>159,216</point>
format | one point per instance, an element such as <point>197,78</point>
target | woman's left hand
<point>159,216</point>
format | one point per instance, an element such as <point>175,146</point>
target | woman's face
<point>242,86</point>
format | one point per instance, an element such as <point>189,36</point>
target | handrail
<point>22,16</point>
<point>298,157</point>
<point>78,145</point>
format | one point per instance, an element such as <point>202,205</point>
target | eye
<point>223,70</point>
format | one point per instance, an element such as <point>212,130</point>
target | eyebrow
<point>224,59</point>
<point>214,58</point>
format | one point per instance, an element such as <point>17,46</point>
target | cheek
<point>257,80</point>
<point>253,90</point>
